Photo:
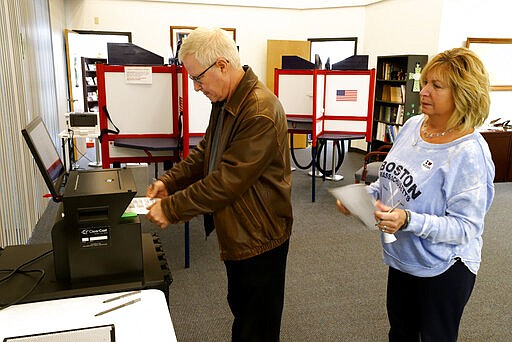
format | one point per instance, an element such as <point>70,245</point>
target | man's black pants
<point>256,295</point>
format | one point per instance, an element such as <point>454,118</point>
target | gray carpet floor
<point>336,281</point>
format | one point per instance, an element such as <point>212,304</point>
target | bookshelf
<point>396,95</point>
<point>90,84</point>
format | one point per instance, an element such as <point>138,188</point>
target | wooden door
<point>275,50</point>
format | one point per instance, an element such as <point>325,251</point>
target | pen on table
<point>118,307</point>
<point>121,296</point>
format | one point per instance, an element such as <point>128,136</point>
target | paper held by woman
<point>360,204</point>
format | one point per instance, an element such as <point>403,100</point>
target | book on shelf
<point>386,93</point>
<point>382,113</point>
<point>390,133</point>
<point>386,133</point>
<point>392,71</point>
<point>380,133</point>
<point>386,71</point>
<point>388,114</point>
<point>400,115</point>
<point>396,94</point>
<point>91,81</point>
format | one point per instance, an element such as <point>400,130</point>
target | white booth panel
<point>347,95</point>
<point>296,93</point>
<point>140,108</point>
<point>320,96</point>
<point>199,107</point>
<point>344,126</point>
<point>319,126</point>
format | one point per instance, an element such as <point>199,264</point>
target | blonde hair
<point>469,81</point>
<point>207,45</point>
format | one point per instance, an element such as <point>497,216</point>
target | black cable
<point>18,270</point>
<point>294,158</point>
<point>23,265</point>
<point>321,143</point>
<point>80,153</point>
<point>17,300</point>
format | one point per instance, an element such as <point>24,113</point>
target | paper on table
<point>357,200</point>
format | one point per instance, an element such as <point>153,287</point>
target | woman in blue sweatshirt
<point>440,175</point>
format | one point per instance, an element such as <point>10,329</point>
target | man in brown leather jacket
<point>240,172</point>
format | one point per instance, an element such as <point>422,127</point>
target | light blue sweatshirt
<point>448,189</point>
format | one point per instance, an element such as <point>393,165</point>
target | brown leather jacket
<point>249,190</point>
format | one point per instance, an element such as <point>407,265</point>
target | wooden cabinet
<point>500,144</point>
<point>90,84</point>
<point>397,90</point>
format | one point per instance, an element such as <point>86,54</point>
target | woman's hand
<point>342,208</point>
<point>389,221</point>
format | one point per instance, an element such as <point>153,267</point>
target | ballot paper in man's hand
<point>139,205</point>
<point>357,200</point>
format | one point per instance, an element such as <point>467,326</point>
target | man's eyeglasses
<point>197,78</point>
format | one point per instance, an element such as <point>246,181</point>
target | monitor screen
<point>45,154</point>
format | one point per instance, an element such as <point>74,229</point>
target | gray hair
<point>208,45</point>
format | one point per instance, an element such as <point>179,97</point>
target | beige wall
<point>149,23</point>
<point>387,27</point>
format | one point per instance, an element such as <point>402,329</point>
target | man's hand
<point>156,215</point>
<point>157,189</point>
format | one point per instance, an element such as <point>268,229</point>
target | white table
<point>146,320</point>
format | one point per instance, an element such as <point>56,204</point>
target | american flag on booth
<point>346,95</point>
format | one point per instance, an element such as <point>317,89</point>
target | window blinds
<point>27,89</point>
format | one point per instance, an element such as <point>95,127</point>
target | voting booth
<point>334,105</point>
<point>327,101</point>
<point>139,113</point>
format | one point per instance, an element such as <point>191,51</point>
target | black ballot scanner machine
<point>92,239</point>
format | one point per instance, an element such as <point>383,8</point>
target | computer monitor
<point>45,154</point>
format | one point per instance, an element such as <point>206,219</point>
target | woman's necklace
<point>428,135</point>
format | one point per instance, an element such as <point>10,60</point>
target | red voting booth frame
<point>159,147</point>
<point>148,142</point>
<point>315,117</point>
